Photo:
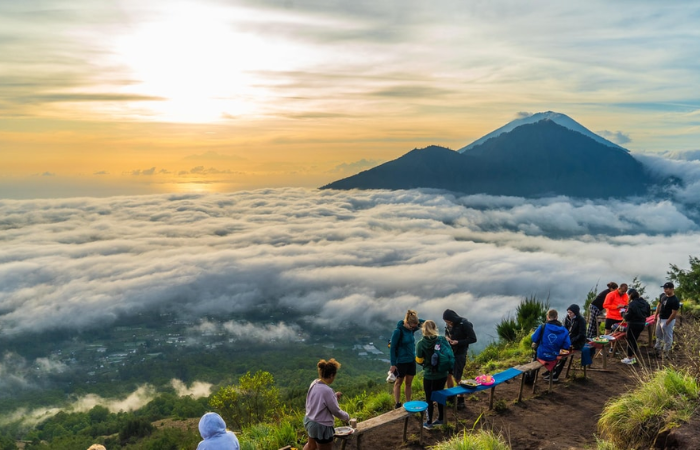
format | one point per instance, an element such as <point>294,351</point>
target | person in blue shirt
<point>403,354</point>
<point>552,336</point>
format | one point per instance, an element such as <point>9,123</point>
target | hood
<point>574,309</point>
<point>399,324</point>
<point>211,424</point>
<point>451,316</point>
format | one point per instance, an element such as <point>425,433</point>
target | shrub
<point>478,440</point>
<point>662,401</point>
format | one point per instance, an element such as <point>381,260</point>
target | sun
<point>196,60</point>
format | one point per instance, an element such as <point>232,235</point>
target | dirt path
<point>566,418</point>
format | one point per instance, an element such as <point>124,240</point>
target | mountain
<point>558,118</point>
<point>532,160</point>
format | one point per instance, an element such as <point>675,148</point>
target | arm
<point>331,400</point>
<point>536,336</point>
<point>420,357</point>
<point>393,351</point>
<point>673,315</point>
<point>608,303</point>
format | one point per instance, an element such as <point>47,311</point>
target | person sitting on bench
<point>576,325</point>
<point>554,338</point>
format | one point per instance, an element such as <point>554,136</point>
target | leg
<point>668,335</point>
<point>428,389</point>
<point>592,330</point>
<point>659,334</point>
<point>458,370</point>
<point>558,368</point>
<point>311,445</point>
<point>439,385</point>
<point>407,389</point>
<point>397,389</point>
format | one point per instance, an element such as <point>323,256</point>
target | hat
<point>668,285</point>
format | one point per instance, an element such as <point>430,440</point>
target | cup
<point>353,423</point>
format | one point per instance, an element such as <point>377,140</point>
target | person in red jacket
<point>615,301</point>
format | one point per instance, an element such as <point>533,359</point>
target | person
<point>554,337</point>
<point>459,333</point>
<point>576,325</point>
<point>666,313</point>
<point>595,309</point>
<point>97,447</point>
<point>215,437</point>
<point>614,302</point>
<point>636,316</point>
<point>403,355</point>
<point>432,379</point>
<point>322,406</point>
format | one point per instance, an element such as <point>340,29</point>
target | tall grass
<point>478,440</point>
<point>663,400</point>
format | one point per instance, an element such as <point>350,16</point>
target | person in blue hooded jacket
<point>552,337</point>
<point>403,354</point>
<point>213,430</point>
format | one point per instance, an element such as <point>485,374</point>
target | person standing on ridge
<point>433,379</point>
<point>459,333</point>
<point>614,302</point>
<point>636,317</point>
<point>666,312</point>
<point>596,308</point>
<point>322,406</point>
<point>402,353</point>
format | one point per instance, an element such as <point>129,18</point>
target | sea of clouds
<point>333,259</point>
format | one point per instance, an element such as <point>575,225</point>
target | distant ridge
<point>558,118</point>
<point>531,160</point>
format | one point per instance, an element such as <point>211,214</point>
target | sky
<point>213,96</point>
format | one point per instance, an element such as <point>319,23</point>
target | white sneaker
<point>629,361</point>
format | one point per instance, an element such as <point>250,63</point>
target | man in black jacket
<point>459,333</point>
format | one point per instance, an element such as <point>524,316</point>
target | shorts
<point>610,322</point>
<point>323,434</point>
<point>403,369</point>
<point>458,370</point>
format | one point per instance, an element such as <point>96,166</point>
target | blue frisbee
<point>415,406</point>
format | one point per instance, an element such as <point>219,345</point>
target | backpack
<point>442,359</point>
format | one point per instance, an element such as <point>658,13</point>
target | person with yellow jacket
<point>614,302</point>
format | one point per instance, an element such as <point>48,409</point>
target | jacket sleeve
<point>536,334</point>
<point>420,357</point>
<point>394,350</point>
<point>334,407</point>
<point>608,303</point>
<point>567,341</point>
<point>580,331</point>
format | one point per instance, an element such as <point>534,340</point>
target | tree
<point>529,313</point>
<point>687,281</point>
<point>252,401</point>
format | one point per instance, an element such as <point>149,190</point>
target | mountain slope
<point>533,160</point>
<point>558,118</point>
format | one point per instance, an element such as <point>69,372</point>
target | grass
<point>662,401</point>
<point>478,440</point>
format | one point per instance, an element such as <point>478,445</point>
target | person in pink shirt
<point>322,406</point>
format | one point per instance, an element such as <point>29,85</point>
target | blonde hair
<point>429,329</point>
<point>411,317</point>
<point>97,447</point>
<point>327,369</point>
<point>552,314</point>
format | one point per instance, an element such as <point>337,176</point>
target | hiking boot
<point>428,426</point>
<point>629,361</point>
<point>555,379</point>
<point>545,377</point>
<point>461,405</point>
<point>397,406</point>
<point>437,422</point>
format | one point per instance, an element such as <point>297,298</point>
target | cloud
<point>101,172</point>
<point>341,260</point>
<point>618,137</point>
<point>683,155</point>
<point>522,115</point>
<point>200,170</point>
<point>355,167</point>
<point>198,389</point>
<point>145,172</point>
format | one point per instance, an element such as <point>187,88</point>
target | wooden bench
<point>378,421</point>
<point>534,365</point>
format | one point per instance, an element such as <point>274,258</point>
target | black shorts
<point>458,370</point>
<point>403,369</point>
<point>610,322</point>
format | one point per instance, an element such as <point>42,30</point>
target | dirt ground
<point>565,418</point>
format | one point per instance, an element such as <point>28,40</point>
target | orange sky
<point>103,99</point>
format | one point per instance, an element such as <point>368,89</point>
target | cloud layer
<point>328,259</point>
